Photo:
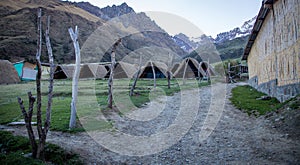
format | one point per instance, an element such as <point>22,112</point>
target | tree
<point>38,150</point>
<point>111,75</point>
<point>74,37</point>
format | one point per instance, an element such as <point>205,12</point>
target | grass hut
<point>159,68</point>
<point>8,73</point>
<point>124,70</point>
<point>64,71</point>
<point>207,69</point>
<point>190,67</point>
<point>99,71</point>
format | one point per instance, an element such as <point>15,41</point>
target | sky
<point>210,17</point>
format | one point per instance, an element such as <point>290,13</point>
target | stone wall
<point>274,59</point>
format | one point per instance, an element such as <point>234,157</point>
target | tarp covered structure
<point>8,73</point>
<point>26,70</point>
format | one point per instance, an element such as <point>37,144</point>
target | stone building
<point>273,49</point>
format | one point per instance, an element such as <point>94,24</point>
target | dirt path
<point>237,138</point>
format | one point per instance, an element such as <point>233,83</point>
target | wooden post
<point>111,76</point>
<point>185,67</point>
<point>51,82</point>
<point>136,78</point>
<point>40,150</point>
<point>199,77</point>
<point>74,37</point>
<point>169,71</point>
<point>28,117</point>
<point>154,76</point>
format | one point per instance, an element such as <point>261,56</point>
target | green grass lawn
<point>92,99</point>
<point>13,149</point>
<point>245,98</point>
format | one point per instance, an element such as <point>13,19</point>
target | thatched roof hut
<point>159,67</point>
<point>8,73</point>
<point>175,67</point>
<point>99,71</point>
<point>124,70</point>
<point>206,68</point>
<point>86,72</point>
<point>190,66</point>
<point>64,71</point>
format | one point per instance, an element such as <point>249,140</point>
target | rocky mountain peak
<point>242,31</point>
<point>115,11</point>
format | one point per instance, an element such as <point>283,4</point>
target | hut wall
<point>274,59</point>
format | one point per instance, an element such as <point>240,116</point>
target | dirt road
<point>236,139</point>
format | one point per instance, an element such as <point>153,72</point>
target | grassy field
<point>13,149</point>
<point>246,98</point>
<point>92,100</point>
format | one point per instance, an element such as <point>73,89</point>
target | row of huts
<point>24,71</point>
<point>188,68</point>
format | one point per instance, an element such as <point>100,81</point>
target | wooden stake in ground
<point>111,76</point>
<point>184,72</point>
<point>136,78</point>
<point>154,76</point>
<point>169,71</point>
<point>74,37</point>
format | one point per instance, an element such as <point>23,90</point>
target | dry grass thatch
<point>159,67</point>
<point>99,71</point>
<point>191,66</point>
<point>207,69</point>
<point>125,70</point>
<point>8,73</point>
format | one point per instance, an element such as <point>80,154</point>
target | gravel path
<point>236,139</point>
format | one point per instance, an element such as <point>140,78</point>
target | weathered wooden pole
<point>136,78</point>
<point>184,72</point>
<point>74,37</point>
<point>111,76</point>
<point>154,76</point>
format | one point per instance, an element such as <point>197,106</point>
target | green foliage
<point>13,148</point>
<point>232,49</point>
<point>246,98</point>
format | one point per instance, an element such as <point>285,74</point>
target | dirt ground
<point>236,139</point>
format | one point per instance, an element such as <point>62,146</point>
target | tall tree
<point>74,37</point>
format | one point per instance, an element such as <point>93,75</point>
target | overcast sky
<point>210,16</point>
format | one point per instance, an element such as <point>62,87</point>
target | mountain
<point>137,31</point>
<point>19,31</point>
<point>18,25</point>
<point>106,13</point>
<point>229,45</point>
<point>242,31</point>
<point>184,42</point>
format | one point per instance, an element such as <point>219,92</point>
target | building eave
<point>262,14</point>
